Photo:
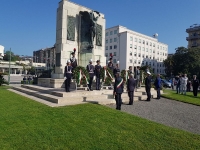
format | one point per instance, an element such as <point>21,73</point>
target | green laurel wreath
<point>76,74</point>
<point>108,80</point>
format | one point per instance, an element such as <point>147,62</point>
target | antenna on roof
<point>155,35</point>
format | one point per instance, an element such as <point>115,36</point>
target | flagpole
<point>9,68</point>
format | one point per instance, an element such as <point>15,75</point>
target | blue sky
<point>28,25</point>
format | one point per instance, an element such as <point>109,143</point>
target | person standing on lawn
<point>195,85</point>
<point>90,68</point>
<point>178,84</point>
<point>68,76</point>
<point>184,84</point>
<point>157,85</point>
<point>148,86</point>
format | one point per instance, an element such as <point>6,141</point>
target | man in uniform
<point>68,75</point>
<point>97,74</point>
<point>110,64</point>
<point>116,69</point>
<point>157,85</point>
<point>148,85</point>
<point>118,90</point>
<point>130,88</point>
<point>130,70</point>
<point>73,60</point>
<point>90,68</point>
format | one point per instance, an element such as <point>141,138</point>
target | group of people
<point>27,79</point>
<point>183,84</point>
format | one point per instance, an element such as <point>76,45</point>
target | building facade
<point>46,56</point>
<point>1,52</point>
<point>134,49</point>
<point>193,36</point>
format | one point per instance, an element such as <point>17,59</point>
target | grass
<point>188,98</point>
<point>26,124</point>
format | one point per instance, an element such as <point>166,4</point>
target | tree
<point>13,57</point>
<point>2,80</point>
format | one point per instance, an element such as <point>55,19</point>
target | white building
<point>1,52</point>
<point>134,49</point>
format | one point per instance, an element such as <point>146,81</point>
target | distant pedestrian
<point>97,71</point>
<point>178,84</point>
<point>130,88</point>
<point>24,80</point>
<point>184,84</point>
<point>157,85</point>
<point>138,77</point>
<point>188,86</point>
<point>29,80</point>
<point>195,85</point>
<point>148,85</point>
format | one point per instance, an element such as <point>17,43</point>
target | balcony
<point>193,29</point>
<point>192,37</point>
<point>195,45</point>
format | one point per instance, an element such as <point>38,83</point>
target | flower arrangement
<point>106,75</point>
<point>81,75</point>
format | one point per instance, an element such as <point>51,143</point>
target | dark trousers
<point>195,90</point>
<point>130,94</point>
<point>67,84</point>
<point>178,89</point>
<point>158,93</point>
<point>90,83</point>
<point>97,83</point>
<point>118,101</point>
<point>148,91</point>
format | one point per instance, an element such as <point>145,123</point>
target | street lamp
<point>9,67</point>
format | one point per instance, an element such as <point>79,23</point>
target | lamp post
<point>9,68</point>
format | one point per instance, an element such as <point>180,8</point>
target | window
<point>153,51</point>
<point>165,54</point>
<point>110,54</point>
<point>147,43</point>
<point>115,31</point>
<point>163,48</point>
<point>115,39</point>
<point>150,51</point>
<point>111,32</point>
<point>131,61</point>
<point>138,61</point>
<point>139,55</point>
<point>110,40</point>
<point>115,46</point>
<point>135,39</point>
<point>106,54</point>
<point>150,57</point>
<point>139,48</point>
<point>130,53</point>
<point>158,46</point>
<point>153,57</point>
<point>143,42</point>
<point>157,65</point>
<point>110,47</point>
<point>115,53</point>
<point>146,49</point>
<point>142,62</point>
<point>106,47</point>
<point>135,61</point>
<point>135,46</point>
<point>106,33</point>
<point>153,45</point>
<point>114,61</point>
<point>150,44</point>
<point>135,54</point>
<point>149,63</point>
<point>142,55</point>
<point>131,38</point>
<point>131,45</point>
<point>106,41</point>
<point>146,56</point>
<point>143,49</point>
<point>158,53</point>
<point>139,40</point>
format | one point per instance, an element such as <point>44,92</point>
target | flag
<point>105,74</point>
<point>79,77</point>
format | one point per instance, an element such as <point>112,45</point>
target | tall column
<point>20,71</point>
<point>15,70</point>
<point>3,70</point>
<point>26,71</point>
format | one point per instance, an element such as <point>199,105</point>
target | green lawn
<point>188,98</point>
<point>26,124</point>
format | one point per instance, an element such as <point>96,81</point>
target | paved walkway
<point>168,112</point>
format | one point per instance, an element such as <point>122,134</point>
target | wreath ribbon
<point>105,74</point>
<point>80,76</point>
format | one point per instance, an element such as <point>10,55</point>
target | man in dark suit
<point>68,75</point>
<point>148,85</point>
<point>130,88</point>
<point>118,90</point>
<point>73,60</point>
<point>116,69</point>
<point>97,74</point>
<point>90,69</point>
<point>110,65</point>
<point>195,84</point>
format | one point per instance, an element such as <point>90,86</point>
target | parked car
<point>166,83</point>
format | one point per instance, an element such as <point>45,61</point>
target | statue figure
<point>93,26</point>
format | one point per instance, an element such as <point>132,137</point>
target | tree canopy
<point>185,60</point>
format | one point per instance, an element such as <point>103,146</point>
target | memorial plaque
<point>71,28</point>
